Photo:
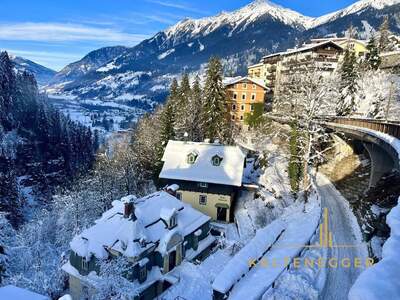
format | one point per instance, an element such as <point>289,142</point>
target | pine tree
<point>349,75</point>
<point>194,112</point>
<point>7,89</point>
<point>372,59</point>
<point>7,235</point>
<point>214,116</point>
<point>181,108</point>
<point>295,166</point>
<point>384,32</point>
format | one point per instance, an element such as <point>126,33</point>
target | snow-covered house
<point>155,233</point>
<point>209,175</point>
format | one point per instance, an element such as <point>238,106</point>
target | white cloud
<point>177,6</point>
<point>65,32</point>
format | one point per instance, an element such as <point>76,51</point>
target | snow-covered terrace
<point>280,241</point>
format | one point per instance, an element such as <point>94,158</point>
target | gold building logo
<point>325,241</point>
<point>325,236</point>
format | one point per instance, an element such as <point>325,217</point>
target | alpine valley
<point>135,79</point>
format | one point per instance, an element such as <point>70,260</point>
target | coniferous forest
<point>39,147</point>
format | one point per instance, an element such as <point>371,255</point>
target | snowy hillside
<point>90,62</point>
<point>41,73</point>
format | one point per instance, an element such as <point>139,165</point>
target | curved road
<point>345,230</point>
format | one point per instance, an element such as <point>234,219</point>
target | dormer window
<point>216,160</point>
<point>191,158</point>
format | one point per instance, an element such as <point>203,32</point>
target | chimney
<point>172,189</point>
<point>129,207</point>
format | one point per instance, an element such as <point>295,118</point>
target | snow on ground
<point>166,53</point>
<point>346,231</point>
<point>382,280</point>
<point>238,266</point>
<point>255,210</point>
<point>300,222</point>
<point>304,282</point>
<point>195,280</point>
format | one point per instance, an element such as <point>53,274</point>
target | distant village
<point>202,180</point>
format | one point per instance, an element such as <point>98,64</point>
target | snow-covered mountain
<point>366,16</point>
<point>356,8</point>
<point>141,74</point>
<point>42,74</point>
<point>90,62</point>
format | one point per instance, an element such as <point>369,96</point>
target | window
<point>253,97</point>
<point>245,86</point>
<point>191,158</point>
<point>203,184</point>
<point>203,199</point>
<point>179,196</point>
<point>233,117</point>
<point>254,86</point>
<point>243,96</point>
<point>252,107</point>
<point>142,274</point>
<point>241,118</point>
<point>242,107</point>
<point>233,106</point>
<point>234,96</point>
<point>216,160</point>
<point>85,264</point>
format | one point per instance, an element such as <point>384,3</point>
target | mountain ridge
<point>240,37</point>
<point>41,73</point>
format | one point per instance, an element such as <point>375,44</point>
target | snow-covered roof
<point>132,237</point>
<point>235,80</point>
<point>273,55</point>
<point>312,46</point>
<point>304,48</point>
<point>12,292</point>
<point>260,64</point>
<point>176,166</point>
<point>338,40</point>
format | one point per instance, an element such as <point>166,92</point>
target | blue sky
<point>57,32</point>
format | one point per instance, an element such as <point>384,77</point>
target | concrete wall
<point>212,200</point>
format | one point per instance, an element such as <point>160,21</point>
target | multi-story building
<point>323,54</point>
<point>359,47</point>
<point>246,97</point>
<point>265,71</point>
<point>208,175</point>
<point>155,233</point>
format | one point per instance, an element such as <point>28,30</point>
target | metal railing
<point>389,127</point>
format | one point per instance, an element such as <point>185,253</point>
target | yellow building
<point>245,97</point>
<point>208,175</point>
<point>359,47</point>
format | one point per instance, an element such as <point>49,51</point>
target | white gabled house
<point>155,233</point>
<point>209,175</point>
